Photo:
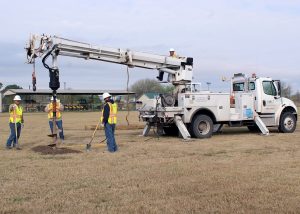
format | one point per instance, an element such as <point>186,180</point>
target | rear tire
<point>287,122</point>
<point>202,126</point>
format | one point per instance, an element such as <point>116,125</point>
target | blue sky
<point>223,36</point>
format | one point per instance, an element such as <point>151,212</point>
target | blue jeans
<point>110,136</point>
<point>60,128</point>
<point>12,137</point>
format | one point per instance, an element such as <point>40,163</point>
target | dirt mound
<point>47,150</point>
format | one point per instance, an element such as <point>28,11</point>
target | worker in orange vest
<point>16,122</point>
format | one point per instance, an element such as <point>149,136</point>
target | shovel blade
<point>88,147</point>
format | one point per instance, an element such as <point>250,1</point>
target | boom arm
<point>179,69</point>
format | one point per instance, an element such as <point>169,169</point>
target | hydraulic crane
<point>258,103</point>
<point>180,70</point>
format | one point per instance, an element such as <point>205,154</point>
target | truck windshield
<point>269,88</point>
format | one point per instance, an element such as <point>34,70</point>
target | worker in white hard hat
<point>58,118</point>
<point>172,53</point>
<point>109,121</point>
<point>160,76</point>
<point>16,122</point>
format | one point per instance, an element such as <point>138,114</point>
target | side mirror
<point>278,86</point>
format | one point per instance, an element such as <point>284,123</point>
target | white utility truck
<point>254,102</point>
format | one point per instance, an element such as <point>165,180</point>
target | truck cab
<point>272,108</point>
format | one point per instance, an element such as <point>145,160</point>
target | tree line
<point>149,85</point>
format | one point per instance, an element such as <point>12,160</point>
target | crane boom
<point>179,69</point>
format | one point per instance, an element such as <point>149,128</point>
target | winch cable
<point>33,77</point>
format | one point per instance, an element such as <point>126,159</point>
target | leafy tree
<point>146,85</point>
<point>168,89</point>
<point>14,86</point>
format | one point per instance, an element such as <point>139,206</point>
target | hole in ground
<point>47,150</point>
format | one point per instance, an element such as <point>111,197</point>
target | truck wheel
<point>202,126</point>
<point>287,122</point>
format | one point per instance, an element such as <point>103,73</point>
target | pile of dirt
<point>47,150</point>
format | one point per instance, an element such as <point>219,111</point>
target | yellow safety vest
<point>113,109</point>
<point>16,115</point>
<point>50,113</point>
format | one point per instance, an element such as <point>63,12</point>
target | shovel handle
<point>94,132</point>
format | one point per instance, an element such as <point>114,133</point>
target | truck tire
<point>202,126</point>
<point>287,122</point>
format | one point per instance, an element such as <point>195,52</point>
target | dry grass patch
<point>235,171</point>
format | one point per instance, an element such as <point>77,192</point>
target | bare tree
<point>1,85</point>
<point>296,97</point>
<point>146,85</point>
<point>286,90</point>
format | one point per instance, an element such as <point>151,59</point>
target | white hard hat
<point>106,95</point>
<point>17,98</point>
<point>172,49</point>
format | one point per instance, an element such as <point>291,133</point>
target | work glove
<point>22,125</point>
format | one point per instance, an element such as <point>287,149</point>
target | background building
<point>73,100</point>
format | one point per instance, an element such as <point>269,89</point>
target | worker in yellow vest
<point>58,119</point>
<point>109,121</point>
<point>16,122</point>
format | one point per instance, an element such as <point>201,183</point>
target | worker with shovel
<point>109,121</point>
<point>58,119</point>
<point>16,122</point>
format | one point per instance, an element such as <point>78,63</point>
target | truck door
<point>268,98</point>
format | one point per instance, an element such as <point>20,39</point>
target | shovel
<point>89,145</point>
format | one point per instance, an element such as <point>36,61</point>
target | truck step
<point>235,123</point>
<point>261,125</point>
<point>182,128</point>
